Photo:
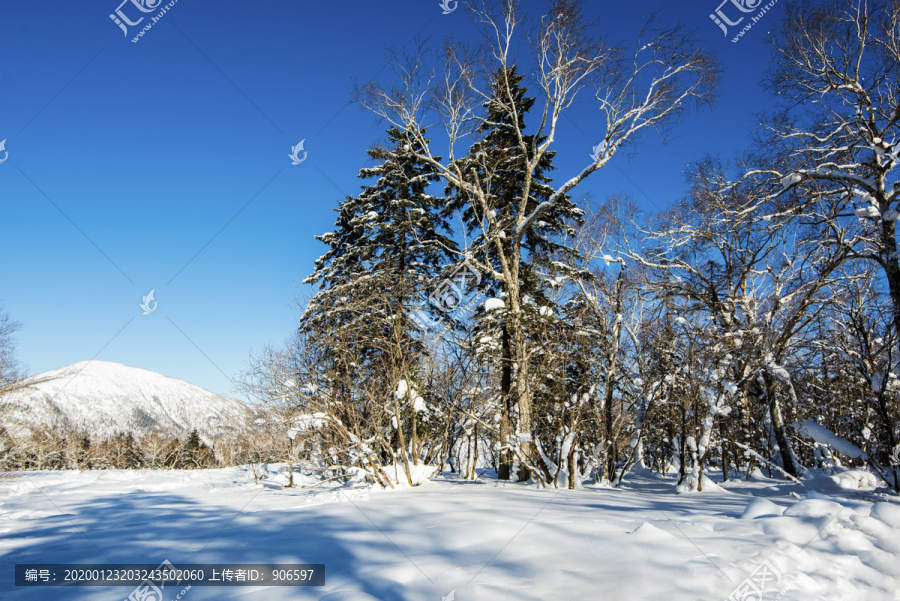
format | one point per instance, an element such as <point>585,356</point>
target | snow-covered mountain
<point>103,398</point>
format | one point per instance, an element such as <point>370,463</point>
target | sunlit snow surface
<point>481,540</point>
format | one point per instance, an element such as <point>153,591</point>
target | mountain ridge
<point>103,398</point>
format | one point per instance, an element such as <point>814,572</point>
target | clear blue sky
<point>164,165</point>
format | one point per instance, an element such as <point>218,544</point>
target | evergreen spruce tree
<point>195,453</point>
<point>193,442</point>
<point>388,247</point>
<point>389,243</point>
<point>84,451</point>
<point>497,161</point>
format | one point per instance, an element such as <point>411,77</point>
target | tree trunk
<point>892,270</point>
<point>475,453</point>
<point>505,465</point>
<point>682,455</point>
<point>530,458</point>
<point>891,265</point>
<point>724,449</point>
<point>612,355</point>
<point>781,437</point>
<point>892,440</point>
<point>402,439</point>
<point>416,450</point>
<point>610,467</point>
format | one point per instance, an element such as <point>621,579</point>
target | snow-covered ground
<point>483,540</point>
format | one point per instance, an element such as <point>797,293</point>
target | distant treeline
<point>53,449</point>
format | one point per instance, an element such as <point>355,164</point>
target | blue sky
<point>164,165</point>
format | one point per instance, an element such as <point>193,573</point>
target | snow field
<point>483,540</point>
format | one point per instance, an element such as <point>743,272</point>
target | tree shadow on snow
<point>147,527</point>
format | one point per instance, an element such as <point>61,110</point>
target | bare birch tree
<point>836,67</point>
<point>647,89</point>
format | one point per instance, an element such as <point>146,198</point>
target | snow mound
<point>709,485</point>
<point>813,508</point>
<point>855,480</point>
<point>860,507</point>
<point>757,475</point>
<point>761,508</point>
<point>889,513</point>
<point>648,531</point>
<point>419,474</point>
